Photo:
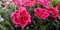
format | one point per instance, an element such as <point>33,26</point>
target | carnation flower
<point>58,6</point>
<point>41,13</point>
<point>53,12</point>
<point>17,3</point>
<point>20,18</point>
<point>43,2</point>
<point>28,3</point>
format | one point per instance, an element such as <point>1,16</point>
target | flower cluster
<point>43,13</point>
<point>19,3</point>
<point>21,17</point>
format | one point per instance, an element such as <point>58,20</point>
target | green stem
<point>38,5</point>
<point>10,25</point>
<point>3,27</point>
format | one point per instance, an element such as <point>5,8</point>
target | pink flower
<point>17,3</point>
<point>53,12</point>
<point>20,18</point>
<point>28,3</point>
<point>41,13</point>
<point>4,4</point>
<point>58,6</point>
<point>43,2</point>
<point>44,13</point>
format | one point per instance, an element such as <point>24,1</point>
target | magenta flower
<point>17,3</point>
<point>53,12</point>
<point>58,6</point>
<point>44,13</point>
<point>43,2</point>
<point>20,18</point>
<point>28,3</point>
<point>41,13</point>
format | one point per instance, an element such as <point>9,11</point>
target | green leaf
<point>3,27</point>
<point>44,28</point>
<point>53,3</point>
